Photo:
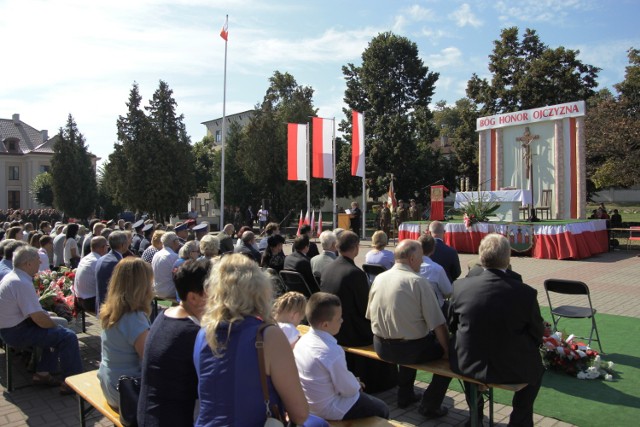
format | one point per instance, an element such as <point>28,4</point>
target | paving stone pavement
<point>612,278</point>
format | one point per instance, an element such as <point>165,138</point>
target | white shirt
<point>44,259</point>
<point>330,388</point>
<point>290,331</point>
<point>262,214</point>
<point>68,244</point>
<point>84,285</point>
<point>18,298</point>
<point>438,278</point>
<point>162,264</point>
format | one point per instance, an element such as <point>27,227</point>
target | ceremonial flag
<point>224,33</point>
<point>357,144</point>
<point>319,223</point>
<point>306,219</point>
<point>313,221</point>
<point>297,152</point>
<point>300,223</point>
<point>391,197</point>
<point>322,150</point>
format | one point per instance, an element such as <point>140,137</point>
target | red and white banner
<point>322,151</point>
<point>357,145</point>
<point>313,221</point>
<point>224,32</point>
<point>297,152</point>
<point>391,197</point>
<point>300,223</point>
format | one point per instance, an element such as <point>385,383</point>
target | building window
<point>14,200</point>
<point>218,136</point>
<point>14,173</point>
<point>45,168</point>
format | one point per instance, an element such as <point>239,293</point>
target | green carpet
<point>591,402</point>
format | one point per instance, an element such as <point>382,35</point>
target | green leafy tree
<point>73,176</point>
<point>393,88</point>
<point>528,74</point>
<point>42,189</point>
<point>613,132</point>
<point>107,205</point>
<point>204,163</point>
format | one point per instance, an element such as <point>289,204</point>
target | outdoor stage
<point>575,239</point>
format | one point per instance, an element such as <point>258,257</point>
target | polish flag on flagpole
<point>322,151</point>
<point>391,196</point>
<point>306,219</point>
<point>313,221</point>
<point>297,152</point>
<point>357,144</point>
<point>300,223</point>
<point>319,223</point>
<point>224,32</point>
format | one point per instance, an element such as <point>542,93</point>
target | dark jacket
<point>448,258</point>
<point>497,329</point>
<point>104,270</point>
<point>478,270</point>
<point>299,262</point>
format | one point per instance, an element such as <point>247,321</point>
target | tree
<point>393,88</point>
<point>72,172</point>
<point>457,124</point>
<point>528,74</point>
<point>204,163</point>
<point>613,132</point>
<point>41,189</point>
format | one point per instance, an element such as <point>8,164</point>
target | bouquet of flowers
<point>478,210</point>
<point>573,357</point>
<point>54,291</point>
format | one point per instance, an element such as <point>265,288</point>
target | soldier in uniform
<point>385,218</point>
<point>182,231</point>
<point>137,237</point>
<point>402,215</point>
<point>414,213</point>
<point>200,230</point>
<point>147,232</point>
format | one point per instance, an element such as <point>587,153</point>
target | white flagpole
<point>364,189</point>
<point>224,131</point>
<point>308,172</point>
<point>333,159</point>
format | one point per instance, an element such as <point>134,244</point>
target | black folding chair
<point>294,281</point>
<point>572,287</point>
<point>372,271</point>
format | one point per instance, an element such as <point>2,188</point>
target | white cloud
<point>464,16</point>
<point>539,10</point>
<point>448,57</point>
<point>409,15</point>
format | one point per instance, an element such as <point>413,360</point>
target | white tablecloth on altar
<point>464,197</point>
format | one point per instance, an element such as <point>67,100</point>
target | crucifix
<point>526,139</point>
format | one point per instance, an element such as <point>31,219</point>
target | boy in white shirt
<point>332,391</point>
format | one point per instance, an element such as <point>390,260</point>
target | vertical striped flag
<point>357,144</point>
<point>313,221</point>
<point>297,152</point>
<point>319,223</point>
<point>306,219</point>
<point>391,197</point>
<point>300,223</point>
<point>322,151</point>
<point>224,32</point>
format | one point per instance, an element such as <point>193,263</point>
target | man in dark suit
<point>344,279</point>
<point>119,242</point>
<point>445,255</point>
<point>299,262</point>
<point>497,329</point>
<point>226,239</point>
<point>313,248</point>
<point>477,270</point>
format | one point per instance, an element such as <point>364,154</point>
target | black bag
<point>129,389</point>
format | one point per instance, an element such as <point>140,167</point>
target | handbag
<point>274,417</point>
<point>129,389</point>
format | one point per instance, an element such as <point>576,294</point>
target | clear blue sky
<point>81,57</point>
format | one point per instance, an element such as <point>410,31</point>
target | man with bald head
<point>409,327</point>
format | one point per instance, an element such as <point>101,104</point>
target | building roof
<point>240,116</point>
<point>29,139</point>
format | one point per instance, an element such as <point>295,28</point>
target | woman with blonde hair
<point>155,247</point>
<point>209,246</point>
<point>239,301</point>
<point>124,318</point>
<point>379,255</point>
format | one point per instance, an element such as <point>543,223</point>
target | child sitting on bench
<point>288,311</point>
<point>332,391</point>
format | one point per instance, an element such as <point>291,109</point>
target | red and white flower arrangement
<point>574,357</point>
<point>54,290</point>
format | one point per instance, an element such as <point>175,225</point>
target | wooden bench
<point>365,422</point>
<point>441,367</point>
<point>87,387</point>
